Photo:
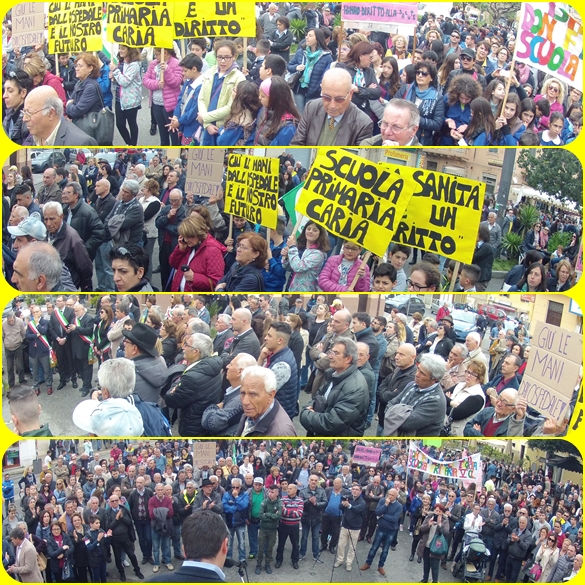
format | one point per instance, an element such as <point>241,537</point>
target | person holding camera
<point>353,509</point>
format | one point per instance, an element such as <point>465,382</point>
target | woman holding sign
<point>306,257</point>
<point>164,78</point>
<point>339,271</point>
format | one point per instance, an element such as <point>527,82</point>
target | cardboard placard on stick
<point>28,24</point>
<point>204,171</point>
<point>552,371</point>
<point>204,453</point>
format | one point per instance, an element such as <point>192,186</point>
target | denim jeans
<point>384,538</point>
<point>176,540</point>
<point>161,541</point>
<point>253,529</point>
<point>314,530</point>
<point>240,532</point>
<point>144,534</point>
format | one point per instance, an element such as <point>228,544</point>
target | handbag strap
<point>99,92</point>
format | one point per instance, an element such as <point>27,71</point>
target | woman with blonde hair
<point>37,69</point>
<point>466,399</point>
<point>553,91</point>
<point>197,259</point>
<point>399,48</point>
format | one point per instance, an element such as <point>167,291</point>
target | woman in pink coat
<point>339,271</point>
<point>164,80</point>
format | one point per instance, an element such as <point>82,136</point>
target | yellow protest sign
<point>443,214</point>
<point>141,24</point>
<point>75,27</point>
<point>251,189</point>
<point>355,199</point>
<point>211,19</point>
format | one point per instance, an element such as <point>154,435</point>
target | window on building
<point>554,314</point>
<point>493,150</point>
<point>490,184</point>
<point>431,165</point>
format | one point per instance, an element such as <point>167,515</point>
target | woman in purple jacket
<point>339,271</point>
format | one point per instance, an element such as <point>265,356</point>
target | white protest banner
<point>552,371</point>
<point>204,171</point>
<point>467,468</point>
<point>550,39</point>
<point>28,24</point>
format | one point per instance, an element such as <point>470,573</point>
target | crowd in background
<point>242,371</point>
<point>117,227</point>
<point>317,85</point>
<point>88,507</point>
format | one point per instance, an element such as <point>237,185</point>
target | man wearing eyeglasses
<point>333,120</point>
<point>506,419</point>
<point>399,125</point>
<point>43,114</point>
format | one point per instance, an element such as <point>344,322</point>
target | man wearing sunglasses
<point>467,58</point>
<point>333,120</point>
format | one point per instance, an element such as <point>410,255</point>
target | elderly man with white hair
<point>333,119</point>
<point>505,419</point>
<point>223,326</point>
<point>263,415</point>
<point>198,387</point>
<point>426,398</point>
<point>140,172</point>
<point>70,246</point>
<point>114,415</point>
<point>472,343</point>
<point>43,114</point>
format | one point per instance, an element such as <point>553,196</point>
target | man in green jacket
<point>270,513</point>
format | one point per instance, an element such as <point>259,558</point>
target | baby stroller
<point>474,559</point>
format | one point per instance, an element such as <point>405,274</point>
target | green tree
<point>554,171</point>
<point>554,446</point>
<point>497,10</point>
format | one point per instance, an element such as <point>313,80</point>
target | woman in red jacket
<point>37,69</point>
<point>197,259</point>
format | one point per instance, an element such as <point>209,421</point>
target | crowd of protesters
<point>328,86</point>
<point>113,226</point>
<point>245,377</point>
<point>87,508</point>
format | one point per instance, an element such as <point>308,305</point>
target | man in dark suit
<point>205,543</point>
<point>61,317</point>
<point>81,329</point>
<point>333,120</point>
<point>224,332</point>
<point>46,124</point>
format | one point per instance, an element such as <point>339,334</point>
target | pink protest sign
<point>366,455</point>
<point>380,12</point>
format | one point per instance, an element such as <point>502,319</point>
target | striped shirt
<point>292,510</point>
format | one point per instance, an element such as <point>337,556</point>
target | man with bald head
<point>50,191</point>
<point>245,340</point>
<point>43,114</point>
<point>388,512</point>
<point>395,383</point>
<point>505,419</point>
<point>339,327</point>
<point>103,202</point>
<point>38,268</point>
<point>333,119</point>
